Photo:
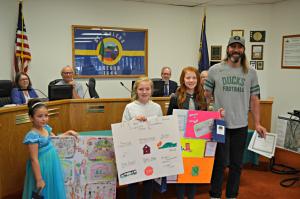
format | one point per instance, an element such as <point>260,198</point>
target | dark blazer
<point>17,96</point>
<point>173,104</point>
<point>172,87</point>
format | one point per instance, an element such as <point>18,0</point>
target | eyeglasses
<point>67,73</point>
<point>25,79</point>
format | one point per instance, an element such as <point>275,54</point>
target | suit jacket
<point>17,96</point>
<point>172,87</point>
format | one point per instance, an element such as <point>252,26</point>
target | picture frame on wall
<point>290,52</point>
<point>257,52</point>
<point>260,65</point>
<point>253,64</point>
<point>109,52</point>
<point>237,33</point>
<point>216,52</point>
<point>257,36</point>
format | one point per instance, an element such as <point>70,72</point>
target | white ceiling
<point>194,3</point>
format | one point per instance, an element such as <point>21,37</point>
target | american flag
<point>22,51</point>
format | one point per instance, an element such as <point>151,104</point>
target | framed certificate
<point>260,65</point>
<point>237,33</point>
<point>257,52</point>
<point>253,64</point>
<point>290,57</point>
<point>216,53</point>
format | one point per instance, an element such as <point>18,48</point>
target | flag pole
<point>22,42</point>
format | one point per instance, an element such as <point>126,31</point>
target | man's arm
<point>255,110</point>
<point>77,92</point>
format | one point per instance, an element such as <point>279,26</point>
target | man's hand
<point>261,130</point>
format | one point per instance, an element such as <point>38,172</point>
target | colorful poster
<point>88,163</point>
<point>192,147</point>
<point>198,150</point>
<point>199,124</point>
<point>197,170</point>
<point>147,150</point>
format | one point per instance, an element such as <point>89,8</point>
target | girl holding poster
<point>140,109</point>
<point>190,96</point>
<point>44,172</point>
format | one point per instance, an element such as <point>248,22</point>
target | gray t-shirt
<point>78,87</point>
<point>232,89</point>
<point>136,108</point>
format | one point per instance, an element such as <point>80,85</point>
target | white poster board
<point>147,150</point>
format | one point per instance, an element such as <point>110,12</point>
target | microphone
<point>35,89</point>
<point>88,86</point>
<point>125,87</point>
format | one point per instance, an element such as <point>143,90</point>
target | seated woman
<point>22,91</point>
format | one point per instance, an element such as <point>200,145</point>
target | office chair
<point>54,82</point>
<point>92,88</point>
<point>5,91</point>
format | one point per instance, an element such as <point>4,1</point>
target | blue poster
<point>109,52</point>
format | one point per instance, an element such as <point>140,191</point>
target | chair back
<point>53,82</point>
<point>5,91</point>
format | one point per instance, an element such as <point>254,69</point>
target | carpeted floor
<point>256,182</point>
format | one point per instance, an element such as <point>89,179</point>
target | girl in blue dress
<point>43,169</point>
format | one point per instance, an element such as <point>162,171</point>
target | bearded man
<point>235,87</point>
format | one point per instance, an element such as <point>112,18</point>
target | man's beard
<point>235,59</point>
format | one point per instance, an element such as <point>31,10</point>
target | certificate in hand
<point>263,146</point>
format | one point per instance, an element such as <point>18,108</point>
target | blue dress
<point>50,166</point>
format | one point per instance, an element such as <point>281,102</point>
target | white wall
<point>172,37</point>
<point>174,34</point>
<point>222,19</point>
<point>277,20</point>
<point>8,20</point>
<point>283,84</point>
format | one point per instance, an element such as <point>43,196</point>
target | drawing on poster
<point>88,165</point>
<point>166,145</point>
<point>146,149</point>
<point>100,149</point>
<point>65,146</point>
<point>68,170</point>
<point>101,171</point>
<point>100,190</point>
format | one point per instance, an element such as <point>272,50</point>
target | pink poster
<point>199,124</point>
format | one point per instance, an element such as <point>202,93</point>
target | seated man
<point>170,86</point>
<point>67,74</point>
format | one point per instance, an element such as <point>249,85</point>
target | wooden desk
<point>77,114</point>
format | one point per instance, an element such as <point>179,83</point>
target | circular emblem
<point>257,36</point>
<point>148,171</point>
<point>109,51</point>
